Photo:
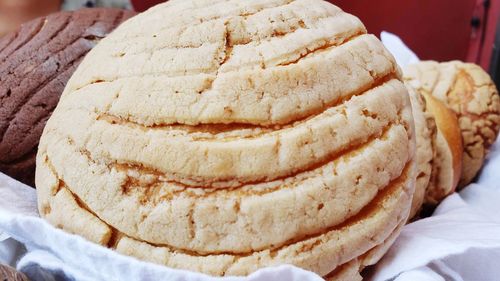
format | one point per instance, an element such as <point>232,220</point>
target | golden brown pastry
<point>439,150</point>
<point>447,160</point>
<point>230,136</point>
<point>426,134</point>
<point>471,94</point>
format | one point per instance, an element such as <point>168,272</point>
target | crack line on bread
<point>8,44</point>
<point>323,48</point>
<point>215,18</point>
<point>36,91</point>
<point>230,43</point>
<point>48,41</point>
<point>200,21</point>
<point>23,43</point>
<point>21,157</point>
<point>217,187</point>
<point>391,237</point>
<point>10,41</point>
<point>202,182</point>
<point>260,10</point>
<point>214,71</point>
<point>340,268</point>
<point>310,241</point>
<point>219,128</point>
<point>118,18</point>
<point>60,69</point>
<point>384,185</point>
<point>46,81</point>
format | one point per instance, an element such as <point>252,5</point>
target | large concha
<point>227,136</point>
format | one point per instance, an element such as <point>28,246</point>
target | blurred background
<point>441,30</point>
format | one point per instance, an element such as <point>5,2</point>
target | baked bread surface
<point>470,92</point>
<point>227,136</point>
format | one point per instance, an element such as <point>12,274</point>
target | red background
<point>434,29</point>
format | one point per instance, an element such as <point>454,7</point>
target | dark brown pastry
<point>36,61</point>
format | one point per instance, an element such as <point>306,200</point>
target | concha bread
<point>469,91</point>
<point>439,150</point>
<point>447,161</point>
<point>228,136</point>
<point>426,134</point>
<point>36,61</point>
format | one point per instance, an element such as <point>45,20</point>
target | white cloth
<point>403,55</point>
<point>57,251</point>
<point>460,242</point>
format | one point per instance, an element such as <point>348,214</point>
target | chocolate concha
<point>36,61</point>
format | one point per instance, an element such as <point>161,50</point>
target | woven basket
<point>8,273</point>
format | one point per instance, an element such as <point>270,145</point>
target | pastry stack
<point>227,136</point>
<point>462,100</point>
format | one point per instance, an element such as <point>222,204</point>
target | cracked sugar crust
<point>36,61</point>
<point>232,137</point>
<point>470,92</point>
<point>203,92</point>
<point>156,193</point>
<point>320,253</point>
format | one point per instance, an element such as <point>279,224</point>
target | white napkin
<point>461,241</point>
<point>71,257</point>
<point>22,201</point>
<point>463,235</point>
<point>403,55</point>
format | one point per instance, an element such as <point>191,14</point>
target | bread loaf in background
<point>469,91</point>
<point>439,151</point>
<point>426,134</point>
<point>226,137</point>
<point>448,149</point>
<point>36,61</point>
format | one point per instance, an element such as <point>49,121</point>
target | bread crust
<point>471,94</point>
<point>447,165</point>
<point>426,134</point>
<point>233,136</point>
<point>36,61</point>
